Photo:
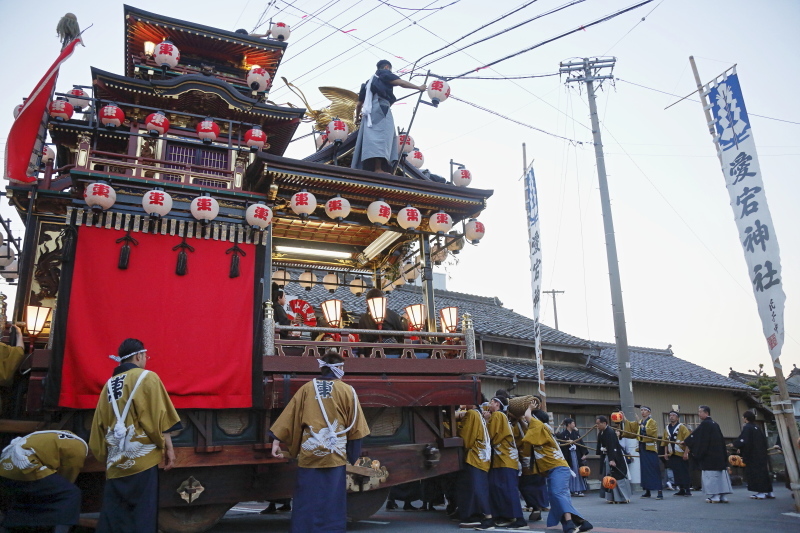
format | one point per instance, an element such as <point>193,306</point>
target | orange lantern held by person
<point>617,417</point>
<point>609,483</point>
<point>585,471</point>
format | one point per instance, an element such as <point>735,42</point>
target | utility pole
<point>588,71</point>
<point>555,309</point>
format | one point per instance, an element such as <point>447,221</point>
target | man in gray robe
<point>707,445</point>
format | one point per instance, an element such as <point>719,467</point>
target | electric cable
<point>522,77</point>
<point>387,4</point>
<point>634,27</point>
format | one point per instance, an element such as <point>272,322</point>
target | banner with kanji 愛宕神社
<point>532,210</point>
<point>737,151</point>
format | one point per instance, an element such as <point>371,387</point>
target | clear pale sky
<point>684,277</point>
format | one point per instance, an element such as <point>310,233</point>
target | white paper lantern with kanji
<point>157,202</point>
<point>18,110</point>
<point>255,138</point>
<point>337,130</point>
<point>280,31</point>
<point>409,217</point>
<point>303,203</point>
<point>258,78</point>
<point>259,215</point>
<point>474,230</point>
<point>207,130</point>
<point>438,91</point>
<point>48,155</point>
<point>156,123</point>
<point>204,208</point>
<point>60,109</point>
<point>379,212</point>
<point>440,222</point>
<point>111,116</point>
<point>416,158</point>
<point>406,143</point>
<point>167,55</point>
<point>99,195</point>
<point>78,98</point>
<point>321,140</point>
<point>462,177</point>
<point>6,256</point>
<point>337,208</point>
<point>10,271</point>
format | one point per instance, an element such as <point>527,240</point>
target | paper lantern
<point>617,417</point>
<point>281,278</point>
<point>454,243</point>
<point>462,177</point>
<point>609,483</point>
<point>255,138</point>
<point>416,158</point>
<point>474,230</point>
<point>332,311</point>
<point>321,140</point>
<point>409,217</point>
<point>157,203</point>
<point>78,98</point>
<point>358,286</point>
<point>207,130</point>
<point>6,256</point>
<point>60,109</point>
<point>379,212</point>
<point>337,208</point>
<point>111,116</point>
<point>331,282</point>
<point>99,195</point>
<point>406,143</point>
<point>337,130</point>
<point>585,471</point>
<point>258,78</point>
<point>410,271</point>
<point>17,110</point>
<point>10,271</point>
<point>204,208</point>
<point>48,155</point>
<point>259,215</point>
<point>167,55</point>
<point>280,31</point>
<point>307,280</point>
<point>448,319</point>
<point>438,91</point>
<point>156,123</point>
<point>303,203</point>
<point>440,222</point>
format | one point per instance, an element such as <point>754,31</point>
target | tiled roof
<point>552,372</point>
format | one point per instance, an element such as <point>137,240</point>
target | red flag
<point>27,135</point>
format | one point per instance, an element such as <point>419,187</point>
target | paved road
<point>671,515</point>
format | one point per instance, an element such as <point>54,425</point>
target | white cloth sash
<point>366,109</point>
<point>333,435</point>
<point>119,427</point>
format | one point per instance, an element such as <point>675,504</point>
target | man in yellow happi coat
<point>646,432</point>
<point>322,426</point>
<point>676,433</point>
<point>11,357</point>
<point>38,473</point>
<point>472,493</point>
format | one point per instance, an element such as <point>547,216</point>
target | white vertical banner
<point>534,241</point>
<point>737,152</point>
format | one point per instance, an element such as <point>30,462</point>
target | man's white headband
<point>336,368</point>
<point>119,359</point>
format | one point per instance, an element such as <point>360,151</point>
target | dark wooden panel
<point>359,365</point>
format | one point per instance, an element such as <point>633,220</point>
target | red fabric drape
<point>198,328</point>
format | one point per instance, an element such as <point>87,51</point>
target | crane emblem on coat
<point>126,447</point>
<point>325,441</point>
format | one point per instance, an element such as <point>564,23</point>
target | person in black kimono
<point>752,445</point>
<point>707,445</point>
<point>613,463</point>
<point>391,322</point>
<point>574,451</point>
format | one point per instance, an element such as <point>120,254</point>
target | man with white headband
<point>646,432</point>
<point>322,426</point>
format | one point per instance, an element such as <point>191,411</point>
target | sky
<point>684,278</point>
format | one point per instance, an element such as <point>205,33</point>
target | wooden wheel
<point>362,505</point>
<point>191,518</point>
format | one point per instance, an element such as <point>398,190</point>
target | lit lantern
<point>406,143</point>
<point>255,138</point>
<point>258,78</point>
<point>167,55</point>
<point>111,116</point>
<point>99,196</point>
<point>416,315</point>
<point>438,91</point>
<point>331,282</point>
<point>440,222</point>
<point>337,130</point>
<point>280,31</point>
<point>449,319</point>
<point>307,280</point>
<point>321,140</point>
<point>157,203</point>
<point>207,130</point>
<point>379,212</point>
<point>10,271</point>
<point>416,158</point>
<point>6,256</point>
<point>281,278</point>
<point>617,417</point>
<point>78,98</point>
<point>48,155</point>
<point>156,123</point>
<point>337,208</point>
<point>358,286</point>
<point>204,208</point>
<point>303,203</point>
<point>377,309</point>
<point>332,311</point>
<point>258,215</point>
<point>474,230</point>
<point>60,109</point>
<point>462,177</point>
<point>409,217</point>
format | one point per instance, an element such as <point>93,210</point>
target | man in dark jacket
<point>707,445</point>
<point>613,463</point>
<point>391,322</point>
<point>573,449</point>
<point>752,444</point>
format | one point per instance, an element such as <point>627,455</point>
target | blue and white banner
<point>532,209</point>
<point>737,153</point>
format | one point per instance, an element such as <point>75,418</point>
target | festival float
<point>165,211</point>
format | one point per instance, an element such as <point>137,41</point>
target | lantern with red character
<point>474,230</point>
<point>462,177</point>
<point>416,158</point>
<point>617,417</point>
<point>409,217</point>
<point>204,208</point>
<point>406,143</point>
<point>156,123</point>
<point>440,222</point>
<point>258,215</point>
<point>337,130</point>
<point>157,202</point>
<point>303,203</point>
<point>60,109</point>
<point>99,196</point>
<point>379,212</point>
<point>337,208</point>
<point>438,91</point>
<point>167,55</point>
<point>207,130</point>
<point>280,31</point>
<point>111,116</point>
<point>78,98</point>
<point>18,110</point>
<point>321,140</point>
<point>48,155</point>
<point>258,78</point>
<point>255,138</point>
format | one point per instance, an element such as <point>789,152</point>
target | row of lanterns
<point>461,176</point>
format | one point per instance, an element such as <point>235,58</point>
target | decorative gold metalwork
<point>343,106</point>
<point>190,489</point>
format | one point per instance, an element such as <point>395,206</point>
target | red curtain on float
<point>198,328</point>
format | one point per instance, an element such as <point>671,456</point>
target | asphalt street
<point>671,515</point>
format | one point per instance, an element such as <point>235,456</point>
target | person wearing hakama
<point>322,426</point>
<point>130,434</point>
<point>646,432</point>
<point>472,491</point>
<point>752,444</point>
<point>38,472</point>
<point>548,461</point>
<point>532,486</point>
<point>377,145</point>
<point>574,451</point>
<point>707,445</point>
<point>673,453</point>
<point>613,463</point>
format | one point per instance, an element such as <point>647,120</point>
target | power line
<point>418,8</point>
<point>526,77</point>
<point>634,27</point>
